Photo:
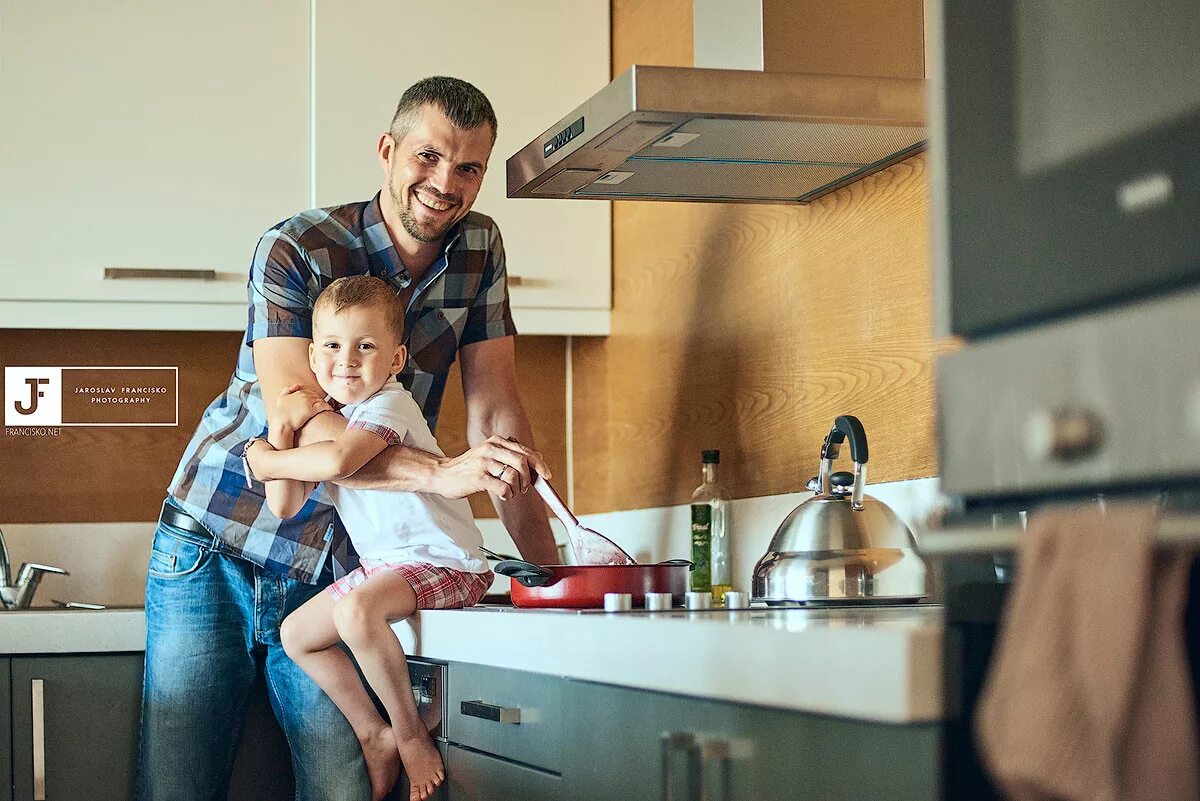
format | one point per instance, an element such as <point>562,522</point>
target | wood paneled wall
<point>750,327</point>
<point>121,474</point>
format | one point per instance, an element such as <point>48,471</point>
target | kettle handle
<point>846,427</point>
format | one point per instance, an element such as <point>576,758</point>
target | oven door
<point>1069,130</point>
<point>978,567</point>
<point>1105,402</point>
<point>976,586</point>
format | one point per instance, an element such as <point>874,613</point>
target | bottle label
<point>701,575</point>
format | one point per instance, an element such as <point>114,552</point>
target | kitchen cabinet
<point>149,135</point>
<point>75,726</point>
<point>596,742</point>
<point>472,776</point>
<point>5,731</point>
<point>90,711</point>
<point>169,136</point>
<point>509,713</point>
<point>637,745</point>
<point>535,60</point>
<point>507,734</point>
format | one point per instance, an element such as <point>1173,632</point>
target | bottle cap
<point>710,457</point>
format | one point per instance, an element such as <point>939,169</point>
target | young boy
<point>417,550</point>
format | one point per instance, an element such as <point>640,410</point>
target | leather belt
<point>181,519</point>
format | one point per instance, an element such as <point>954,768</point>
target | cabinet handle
<point>114,273</point>
<point>39,740</point>
<point>500,714</point>
<point>716,758</point>
<point>516,280</point>
<point>673,743</point>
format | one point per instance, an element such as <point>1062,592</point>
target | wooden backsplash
<point>121,474</point>
<point>749,328</point>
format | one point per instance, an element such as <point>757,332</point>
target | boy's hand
<point>253,455</point>
<point>296,405</point>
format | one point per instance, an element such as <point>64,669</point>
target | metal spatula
<point>590,547</point>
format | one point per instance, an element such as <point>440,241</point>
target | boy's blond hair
<point>356,291</point>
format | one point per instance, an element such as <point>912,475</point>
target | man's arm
<point>283,361</point>
<point>494,411</point>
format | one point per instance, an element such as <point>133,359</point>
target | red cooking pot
<point>584,586</point>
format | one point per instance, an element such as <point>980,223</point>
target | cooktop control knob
<point>1062,435</point>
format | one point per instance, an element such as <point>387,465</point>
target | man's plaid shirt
<point>461,299</point>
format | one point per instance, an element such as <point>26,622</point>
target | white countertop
<point>72,631</point>
<point>875,664</point>
<point>880,664</point>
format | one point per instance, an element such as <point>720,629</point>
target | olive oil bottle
<point>710,533</point>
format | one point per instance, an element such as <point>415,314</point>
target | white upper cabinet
<point>535,60</point>
<point>168,136</point>
<point>146,135</point>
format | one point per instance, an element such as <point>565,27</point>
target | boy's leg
<point>311,640</point>
<point>362,619</point>
<point>199,668</point>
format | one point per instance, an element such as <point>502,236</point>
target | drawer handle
<point>516,280</point>
<point>113,273</point>
<point>500,714</point>
<point>37,692</point>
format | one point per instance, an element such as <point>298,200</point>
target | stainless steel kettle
<point>840,546</point>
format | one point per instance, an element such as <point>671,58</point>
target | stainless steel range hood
<point>732,135</point>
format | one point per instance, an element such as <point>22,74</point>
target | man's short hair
<point>356,291</point>
<point>464,105</point>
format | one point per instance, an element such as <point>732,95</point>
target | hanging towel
<point>1089,695</point>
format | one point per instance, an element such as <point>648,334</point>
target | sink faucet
<point>20,594</point>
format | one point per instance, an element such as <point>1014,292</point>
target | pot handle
<point>845,427</point>
<point>678,563</point>
<point>527,573</point>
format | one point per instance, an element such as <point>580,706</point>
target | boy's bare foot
<point>383,765</point>
<point>422,764</point>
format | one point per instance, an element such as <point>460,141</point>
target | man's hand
<point>296,405</point>
<point>497,465</point>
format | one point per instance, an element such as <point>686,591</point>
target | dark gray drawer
<point>483,701</point>
<point>478,777</point>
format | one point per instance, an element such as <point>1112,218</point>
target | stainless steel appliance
<point>428,680</point>
<point>765,120</point>
<point>1066,196</point>
<point>840,546</point>
<point>1068,257</point>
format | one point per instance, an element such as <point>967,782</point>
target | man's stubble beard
<point>409,220</point>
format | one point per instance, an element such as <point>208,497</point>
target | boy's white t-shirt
<point>391,526</point>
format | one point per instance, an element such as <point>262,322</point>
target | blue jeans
<point>212,622</point>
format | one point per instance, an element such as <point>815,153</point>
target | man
<point>224,571</point>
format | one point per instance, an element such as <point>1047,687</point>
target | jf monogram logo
<point>34,394</point>
<point>90,396</point>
